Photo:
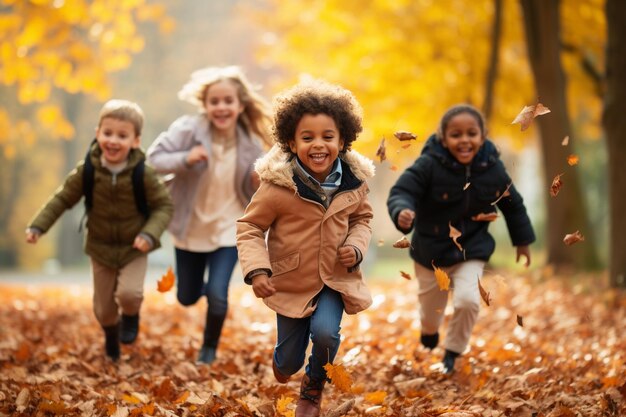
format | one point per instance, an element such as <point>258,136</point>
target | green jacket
<point>113,222</point>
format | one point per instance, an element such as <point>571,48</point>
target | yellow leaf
<point>339,376</point>
<point>282,406</point>
<point>182,398</point>
<point>376,397</point>
<point>572,160</point>
<point>167,281</point>
<point>443,280</point>
<point>130,399</point>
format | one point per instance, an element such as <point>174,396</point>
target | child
<point>211,156</point>
<point>313,204</point>
<point>118,235</point>
<point>457,177</point>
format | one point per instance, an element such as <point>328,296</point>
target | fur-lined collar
<point>275,167</point>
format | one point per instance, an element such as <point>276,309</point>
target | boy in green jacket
<point>119,236</point>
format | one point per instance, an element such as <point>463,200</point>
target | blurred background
<point>406,61</point>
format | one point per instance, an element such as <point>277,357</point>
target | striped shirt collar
<point>332,181</point>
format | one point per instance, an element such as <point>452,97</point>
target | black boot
<point>430,341</point>
<point>448,361</point>
<point>207,355</point>
<point>112,341</point>
<point>130,328</point>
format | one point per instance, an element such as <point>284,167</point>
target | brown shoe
<point>310,402</point>
<point>279,377</point>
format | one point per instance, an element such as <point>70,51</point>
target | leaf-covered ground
<point>568,358</point>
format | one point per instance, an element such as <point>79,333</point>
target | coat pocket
<point>285,264</point>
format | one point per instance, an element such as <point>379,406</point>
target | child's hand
<point>196,154</point>
<point>32,237</point>
<point>347,256</point>
<point>405,218</point>
<point>141,244</point>
<point>525,252</point>
<point>262,286</point>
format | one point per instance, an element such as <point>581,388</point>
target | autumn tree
<point>51,53</point>
<point>615,127</point>
<point>566,211</point>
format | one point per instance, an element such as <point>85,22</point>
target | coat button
<point>323,198</point>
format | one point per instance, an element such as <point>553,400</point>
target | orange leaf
<point>572,160</point>
<point>443,280</point>
<point>484,294</point>
<point>393,167</point>
<point>402,243</point>
<point>130,399</point>
<point>485,217</point>
<point>282,406</point>
<point>556,185</point>
<point>572,238</point>
<point>182,398</point>
<point>54,407</point>
<point>402,135</point>
<point>381,151</point>
<point>167,281</point>
<point>528,114</point>
<point>339,376</point>
<point>455,234</point>
<point>376,397</point>
<point>405,275</point>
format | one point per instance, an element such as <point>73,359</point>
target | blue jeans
<point>322,328</point>
<point>190,267</point>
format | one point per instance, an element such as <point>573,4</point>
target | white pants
<point>464,278</point>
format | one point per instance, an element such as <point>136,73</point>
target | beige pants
<point>118,289</point>
<point>464,278</point>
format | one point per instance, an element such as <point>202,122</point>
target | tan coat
<point>303,236</point>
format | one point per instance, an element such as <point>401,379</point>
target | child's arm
<point>262,286</point>
<point>359,235</point>
<point>406,193</point>
<point>176,149</point>
<point>32,235</point>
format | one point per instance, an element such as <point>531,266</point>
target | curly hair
<point>316,97</point>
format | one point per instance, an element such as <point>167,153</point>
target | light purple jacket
<point>168,155</point>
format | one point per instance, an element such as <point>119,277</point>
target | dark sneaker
<point>130,328</point>
<point>448,362</point>
<point>207,355</point>
<point>112,341</point>
<point>430,341</point>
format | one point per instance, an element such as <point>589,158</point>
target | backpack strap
<point>88,174</point>
<point>139,190</point>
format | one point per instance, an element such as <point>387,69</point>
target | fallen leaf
<point>556,185</point>
<point>405,275</point>
<point>504,194</point>
<point>565,141</point>
<point>528,114</point>
<point>455,234</point>
<point>402,135</point>
<point>339,376</point>
<point>486,217</point>
<point>520,321</point>
<point>376,397</point>
<point>572,238</point>
<point>402,243</point>
<point>167,281</point>
<point>572,160</point>
<point>381,152</point>
<point>484,294</point>
<point>282,406</point>
<point>443,280</point>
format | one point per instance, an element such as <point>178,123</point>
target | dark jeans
<point>190,267</point>
<point>322,327</point>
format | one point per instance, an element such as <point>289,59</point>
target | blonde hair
<point>123,110</point>
<point>256,116</point>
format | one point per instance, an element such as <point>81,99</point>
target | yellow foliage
<point>282,406</point>
<point>376,397</point>
<point>443,280</point>
<point>339,376</point>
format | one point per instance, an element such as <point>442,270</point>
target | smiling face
<point>317,143</point>
<point>463,137</point>
<point>223,106</point>
<point>116,138</point>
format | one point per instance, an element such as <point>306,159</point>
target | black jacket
<point>435,188</point>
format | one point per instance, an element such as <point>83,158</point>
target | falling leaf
<point>405,275</point>
<point>572,238</point>
<point>339,376</point>
<point>381,152</point>
<point>485,217</point>
<point>572,160</point>
<point>406,145</point>
<point>402,243</point>
<point>443,280</point>
<point>376,397</point>
<point>504,194</point>
<point>484,294</point>
<point>565,141</point>
<point>520,320</point>
<point>466,186</point>
<point>528,114</point>
<point>167,281</point>
<point>393,167</point>
<point>556,185</point>
<point>454,235</point>
<point>402,135</point>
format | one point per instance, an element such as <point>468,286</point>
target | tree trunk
<point>615,129</point>
<point>566,212</point>
<point>492,71</point>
